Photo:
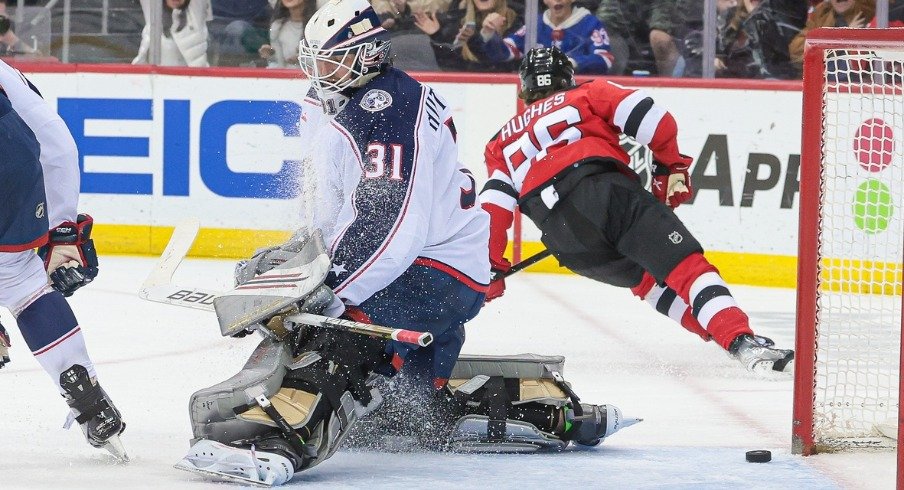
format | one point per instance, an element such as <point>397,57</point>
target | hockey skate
<point>91,407</point>
<point>597,423</point>
<point>759,356</point>
<point>247,466</point>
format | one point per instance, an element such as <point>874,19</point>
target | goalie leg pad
<point>212,409</point>
<point>473,433</point>
<point>302,412</point>
<point>522,403</point>
<point>508,403</point>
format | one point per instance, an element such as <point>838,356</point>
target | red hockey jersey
<point>568,127</point>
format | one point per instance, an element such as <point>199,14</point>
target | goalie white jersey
<point>382,180</point>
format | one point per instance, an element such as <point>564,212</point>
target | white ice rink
<point>701,409</point>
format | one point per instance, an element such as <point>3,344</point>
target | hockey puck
<point>759,456</point>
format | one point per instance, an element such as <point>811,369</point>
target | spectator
<point>238,30</point>
<point>575,31</point>
<point>832,13</point>
<point>450,33</point>
<point>442,26</point>
<point>753,37</point>
<point>10,44</point>
<point>641,28</point>
<point>411,49</point>
<point>184,38</point>
<point>399,15</point>
<point>286,31</point>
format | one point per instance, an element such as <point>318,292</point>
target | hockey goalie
<point>306,386</point>
<point>408,248</point>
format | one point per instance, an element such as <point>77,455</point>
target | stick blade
<point>179,244</point>
<point>196,298</point>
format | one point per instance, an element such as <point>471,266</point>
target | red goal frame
<point>808,260</point>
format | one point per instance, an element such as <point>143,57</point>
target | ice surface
<point>702,411</point>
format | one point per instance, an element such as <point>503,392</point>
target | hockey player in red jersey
<point>560,162</point>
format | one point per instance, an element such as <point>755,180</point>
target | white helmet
<point>340,49</point>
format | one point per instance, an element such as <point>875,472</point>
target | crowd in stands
<point>755,38</point>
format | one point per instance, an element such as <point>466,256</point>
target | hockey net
<point>847,382</point>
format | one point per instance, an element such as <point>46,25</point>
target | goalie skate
<point>599,422</point>
<point>759,356</point>
<point>90,406</point>
<point>246,466</point>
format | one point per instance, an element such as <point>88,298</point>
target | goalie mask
<point>544,71</point>
<point>340,49</point>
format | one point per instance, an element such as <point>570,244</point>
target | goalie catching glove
<point>672,183</point>
<point>69,256</point>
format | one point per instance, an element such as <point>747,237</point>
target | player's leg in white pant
<point>47,325</point>
<point>52,332</point>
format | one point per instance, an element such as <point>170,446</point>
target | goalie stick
<point>159,288</point>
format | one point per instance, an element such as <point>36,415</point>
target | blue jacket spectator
<point>575,31</point>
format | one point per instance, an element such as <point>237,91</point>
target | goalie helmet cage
<point>851,243</point>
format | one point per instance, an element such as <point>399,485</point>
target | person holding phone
<point>464,34</point>
<point>452,34</point>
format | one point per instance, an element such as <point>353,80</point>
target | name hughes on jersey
<point>519,122</point>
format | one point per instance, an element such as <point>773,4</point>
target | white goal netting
<point>861,248</point>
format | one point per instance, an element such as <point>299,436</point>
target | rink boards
<point>160,144</point>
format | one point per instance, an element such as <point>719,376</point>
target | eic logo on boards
<point>215,123</point>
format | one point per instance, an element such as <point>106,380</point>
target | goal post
<point>851,243</point>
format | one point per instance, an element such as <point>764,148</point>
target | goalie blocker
<point>282,413</point>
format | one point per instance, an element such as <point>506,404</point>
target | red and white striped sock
<point>666,301</point>
<point>701,286</point>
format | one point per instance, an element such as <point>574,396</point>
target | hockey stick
<point>524,264</point>
<point>158,287</point>
<point>422,339</point>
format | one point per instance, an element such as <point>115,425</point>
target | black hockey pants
<point>604,225</point>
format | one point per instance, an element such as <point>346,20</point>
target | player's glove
<point>497,279</point>
<point>672,183</point>
<point>69,256</point>
<point>4,346</point>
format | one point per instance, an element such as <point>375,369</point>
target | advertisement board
<point>158,145</point>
